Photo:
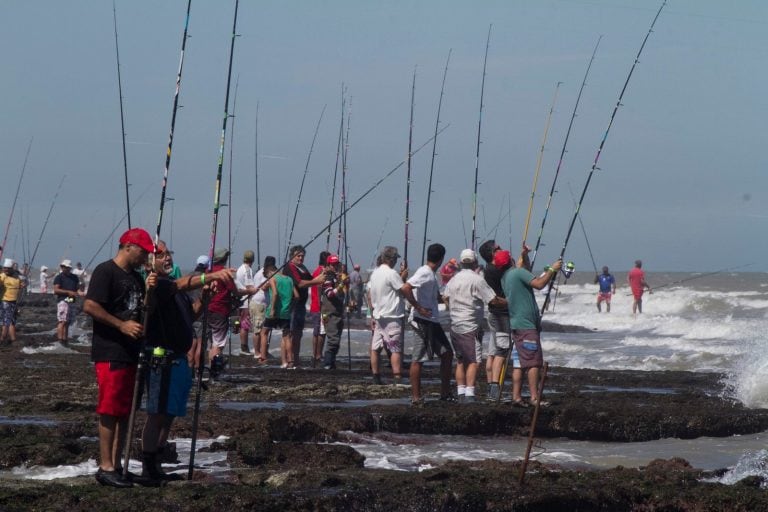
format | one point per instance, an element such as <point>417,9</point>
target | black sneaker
<point>377,379</point>
<point>449,398</point>
<point>112,479</point>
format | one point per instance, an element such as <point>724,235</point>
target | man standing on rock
<point>66,287</point>
<point>114,301</point>
<point>525,321</point>
<point>388,311</point>
<point>302,280</point>
<point>246,289</point>
<point>332,309</point>
<point>11,287</point>
<point>466,294</point>
<point>433,341</point>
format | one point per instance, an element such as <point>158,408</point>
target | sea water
<point>715,323</point>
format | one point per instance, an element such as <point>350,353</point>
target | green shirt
<point>284,297</point>
<point>521,303</point>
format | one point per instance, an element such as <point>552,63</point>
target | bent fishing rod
<point>214,224</point>
<point>600,148</point>
<point>539,159</point>
<point>339,145</point>
<point>356,201</point>
<point>45,223</point>
<point>256,179</point>
<point>344,153</point>
<point>562,155</point>
<point>434,153</point>
<point>408,172</point>
<point>479,128</point>
<point>303,179</point>
<point>16,197</point>
<point>122,117</point>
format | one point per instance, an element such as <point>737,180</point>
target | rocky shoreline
<point>284,458</point>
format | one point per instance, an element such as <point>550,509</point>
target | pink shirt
<point>636,278</point>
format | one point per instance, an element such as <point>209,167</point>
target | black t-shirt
<point>493,277</point>
<point>298,274</point>
<point>121,294</point>
<point>170,323</point>
<point>68,282</point>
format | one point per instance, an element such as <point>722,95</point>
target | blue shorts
<point>168,387</point>
<point>8,313</point>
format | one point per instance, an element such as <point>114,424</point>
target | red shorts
<point>115,388</point>
<point>604,296</point>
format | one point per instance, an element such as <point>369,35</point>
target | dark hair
<point>435,253</point>
<point>324,257</point>
<point>269,261</point>
<point>486,250</point>
<point>296,249</point>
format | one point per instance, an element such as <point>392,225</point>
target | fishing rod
<point>434,152</point>
<point>583,230</point>
<point>16,197</point>
<point>303,179</point>
<point>214,225</point>
<point>122,116</point>
<point>339,144</point>
<point>602,143</point>
<point>562,154</point>
<point>173,125</point>
<point>479,127</point>
<point>344,152</point>
<point>45,223</point>
<point>256,179</point>
<point>408,173</point>
<point>231,151</point>
<point>463,227</point>
<point>346,248</point>
<point>362,196</point>
<point>378,244</point>
<point>539,159</point>
<point>706,274</point>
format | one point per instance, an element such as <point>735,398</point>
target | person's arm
<point>58,290</point>
<point>407,291</point>
<point>194,281</point>
<point>541,281</point>
<point>498,301</point>
<point>96,311</point>
<point>524,261</point>
<point>613,285</point>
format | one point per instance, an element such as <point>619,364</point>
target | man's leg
<point>533,382</point>
<point>446,361</point>
<point>599,310</point>
<point>397,363</point>
<point>108,426</point>
<point>415,377</point>
<point>517,385</point>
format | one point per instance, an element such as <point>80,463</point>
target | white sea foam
<point>750,464</point>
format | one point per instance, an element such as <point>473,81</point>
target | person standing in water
<point>636,280</point>
<point>607,288</point>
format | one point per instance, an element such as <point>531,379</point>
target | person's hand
<point>557,265</point>
<point>525,250</point>
<point>151,280</point>
<point>132,329</point>
<point>425,312</point>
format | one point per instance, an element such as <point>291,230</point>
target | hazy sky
<point>682,181</point>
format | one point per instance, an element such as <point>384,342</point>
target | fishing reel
<point>236,327</point>
<point>69,300</point>
<point>568,270</point>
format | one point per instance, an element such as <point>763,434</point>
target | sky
<point>681,181</point>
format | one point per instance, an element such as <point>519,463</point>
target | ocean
<point>714,322</point>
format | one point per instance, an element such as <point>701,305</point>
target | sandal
<point>519,403</point>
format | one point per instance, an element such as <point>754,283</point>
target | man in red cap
<point>114,300</point>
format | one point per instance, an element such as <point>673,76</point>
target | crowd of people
<point>146,324</point>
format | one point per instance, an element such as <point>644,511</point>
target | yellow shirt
<point>11,287</point>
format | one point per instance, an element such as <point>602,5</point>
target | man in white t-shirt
<point>246,287</point>
<point>466,294</point>
<point>433,340</point>
<point>386,291</point>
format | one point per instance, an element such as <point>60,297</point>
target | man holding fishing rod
<point>636,280</point>
<point>115,302</point>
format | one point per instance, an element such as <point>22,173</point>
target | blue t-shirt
<point>605,281</point>
<point>521,303</point>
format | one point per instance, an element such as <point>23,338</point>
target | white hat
<point>8,263</point>
<point>468,256</point>
<point>203,260</point>
<point>43,268</point>
<point>66,263</point>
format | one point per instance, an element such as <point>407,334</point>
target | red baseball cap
<point>332,259</point>
<point>139,237</point>
<point>502,259</point>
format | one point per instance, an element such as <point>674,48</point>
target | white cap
<point>43,268</point>
<point>468,256</point>
<point>66,263</point>
<point>8,263</point>
<point>203,260</point>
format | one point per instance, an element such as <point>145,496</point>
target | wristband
<point>202,279</point>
